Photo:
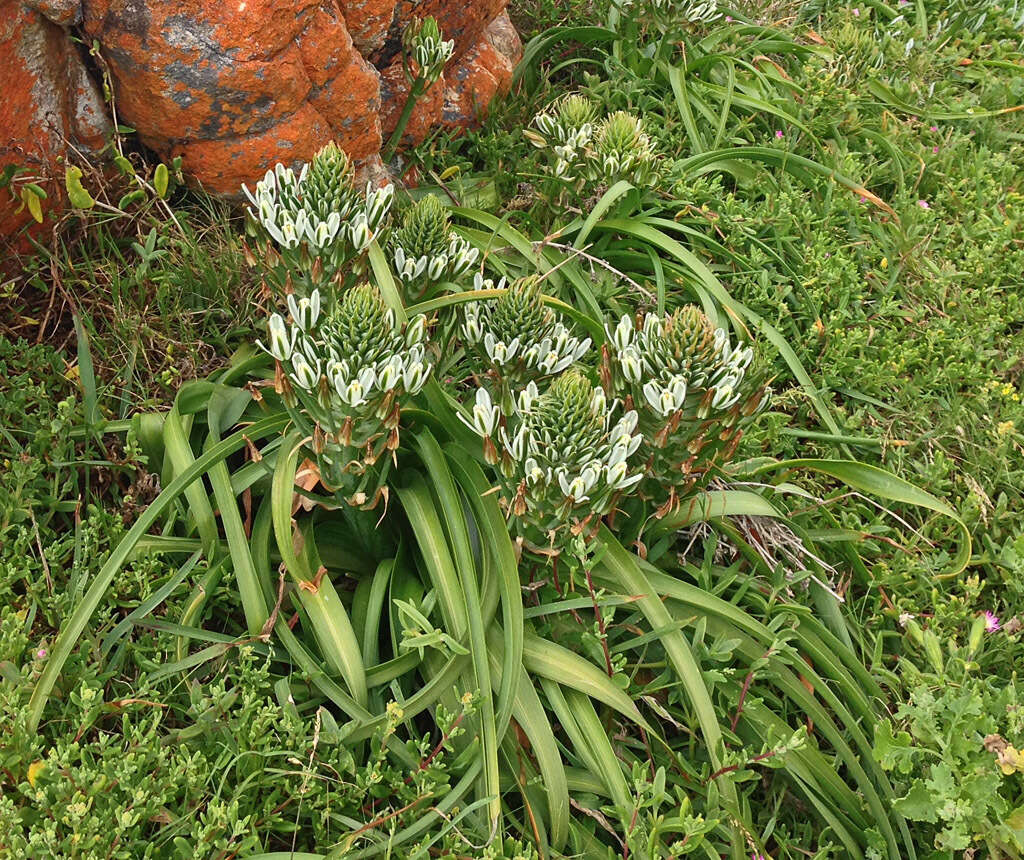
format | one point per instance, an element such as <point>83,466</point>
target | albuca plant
<point>434,614</point>
<point>562,461</point>
<point>310,227</point>
<point>343,377</point>
<point>565,128</point>
<point>425,54</point>
<point>670,15</point>
<point>622,150</point>
<point>583,150</point>
<point>691,390</point>
<point>516,338</point>
<point>427,49</point>
<point>427,251</point>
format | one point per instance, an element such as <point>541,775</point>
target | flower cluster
<point>585,150</point>
<point>343,377</point>
<point>675,13</point>
<point>426,250</point>
<point>425,46</point>
<point>691,388</point>
<point>622,150</point>
<point>566,128</point>
<point>686,11</point>
<point>316,218</point>
<point>562,462</point>
<point>517,337</point>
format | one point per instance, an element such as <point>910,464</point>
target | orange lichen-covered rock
<point>481,73</point>
<point>345,88</point>
<point>223,165</point>
<point>369,22</point>
<point>49,102</point>
<point>236,86</point>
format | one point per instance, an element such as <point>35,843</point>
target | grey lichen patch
<point>198,38</point>
<point>66,13</point>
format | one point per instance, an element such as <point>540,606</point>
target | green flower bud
<point>977,632</point>
<point>425,229</point>
<point>621,133</point>
<point>933,650</point>
<point>575,111</point>
<point>689,338</point>
<point>329,184</point>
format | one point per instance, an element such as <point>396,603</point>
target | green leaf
<point>885,485</point>
<point>893,749</point>
<point>86,373</point>
<point>160,179</point>
<point>73,627</point>
<point>77,195</point>
<point>131,198</point>
<point>918,804</point>
<point>125,166</point>
<point>31,200</point>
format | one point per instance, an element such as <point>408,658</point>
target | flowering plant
<point>516,338</point>
<point>562,462</point>
<point>584,151</point>
<point>310,226</point>
<point>344,378</point>
<point>427,251</point>
<point>691,390</point>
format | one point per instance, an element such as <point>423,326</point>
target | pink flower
<point>935,149</point>
<point>923,204</point>
<point>728,19</point>
<point>856,13</point>
<point>991,621</point>
<point>778,134</point>
<point>41,653</point>
<point>934,128</point>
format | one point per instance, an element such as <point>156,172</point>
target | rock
<point>234,87</point>
<point>481,73</point>
<point>49,103</point>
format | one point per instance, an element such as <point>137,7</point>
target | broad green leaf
<point>77,195</point>
<point>918,804</point>
<point>160,180</point>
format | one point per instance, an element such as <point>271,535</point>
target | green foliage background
<point>909,320</point>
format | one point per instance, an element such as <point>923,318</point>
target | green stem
<point>415,91</point>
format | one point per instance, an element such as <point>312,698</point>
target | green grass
<point>850,198</point>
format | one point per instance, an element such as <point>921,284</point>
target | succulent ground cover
<point>646,482</point>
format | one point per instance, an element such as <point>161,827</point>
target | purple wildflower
<point>991,621</point>
<point>923,204</point>
<point>41,653</point>
<point>778,133</point>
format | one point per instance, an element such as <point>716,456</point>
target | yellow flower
<point>34,770</point>
<point>885,262</point>
<point>1010,760</point>
<point>1004,427</point>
